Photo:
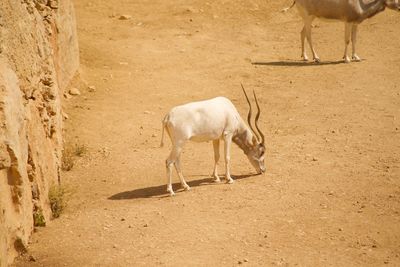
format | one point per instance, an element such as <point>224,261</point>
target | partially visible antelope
<point>212,120</point>
<point>351,12</point>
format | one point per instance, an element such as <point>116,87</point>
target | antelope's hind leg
<point>173,159</point>
<point>304,56</point>
<point>354,56</point>
<point>306,33</point>
<point>169,162</point>
<point>347,31</point>
<point>307,26</point>
<point>179,170</point>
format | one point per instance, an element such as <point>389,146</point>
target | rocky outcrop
<point>38,58</point>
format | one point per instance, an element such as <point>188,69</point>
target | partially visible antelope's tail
<point>287,9</point>
<point>164,124</point>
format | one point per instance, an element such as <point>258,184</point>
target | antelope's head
<point>256,151</point>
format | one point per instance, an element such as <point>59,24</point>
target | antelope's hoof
<point>304,58</point>
<point>186,187</point>
<point>317,60</point>
<point>171,192</point>
<point>229,181</point>
<point>216,179</point>
<point>356,58</point>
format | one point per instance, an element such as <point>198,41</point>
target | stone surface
<point>125,17</point>
<point>74,91</point>
<point>38,57</point>
<point>92,88</point>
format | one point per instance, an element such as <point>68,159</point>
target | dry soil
<point>331,194</point>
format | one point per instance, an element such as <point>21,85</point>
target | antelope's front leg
<point>227,143</point>
<point>216,159</point>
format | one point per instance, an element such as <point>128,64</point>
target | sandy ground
<point>331,194</point>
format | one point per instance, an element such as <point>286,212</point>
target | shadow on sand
<point>161,190</point>
<point>294,63</point>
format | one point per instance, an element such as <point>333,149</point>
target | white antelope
<point>351,12</point>
<point>212,120</point>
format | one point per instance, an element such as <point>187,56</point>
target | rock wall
<point>38,57</point>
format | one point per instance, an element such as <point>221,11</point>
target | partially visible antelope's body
<point>211,120</point>
<point>351,12</point>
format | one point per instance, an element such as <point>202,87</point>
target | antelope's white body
<point>209,120</point>
<point>351,12</point>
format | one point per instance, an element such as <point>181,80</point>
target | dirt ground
<point>331,193</point>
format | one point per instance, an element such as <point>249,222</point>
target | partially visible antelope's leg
<point>179,170</point>
<point>347,29</point>
<point>355,57</point>
<point>216,159</point>
<point>303,48</point>
<point>227,150</point>
<point>307,25</point>
<point>171,160</point>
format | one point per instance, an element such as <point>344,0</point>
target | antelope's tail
<point>164,124</point>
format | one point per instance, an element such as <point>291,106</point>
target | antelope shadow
<point>296,63</point>
<point>161,190</point>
